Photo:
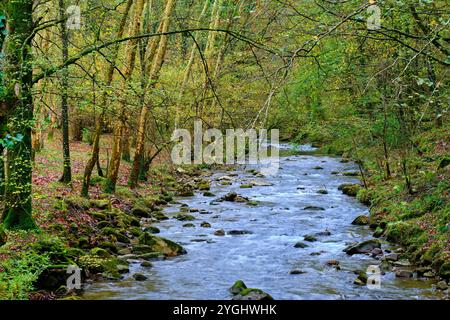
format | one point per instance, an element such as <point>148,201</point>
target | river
<point>265,257</point>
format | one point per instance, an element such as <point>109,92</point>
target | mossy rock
<point>158,215</point>
<point>164,246</point>
<point>140,212</point>
<point>253,294</point>
<point>116,233</point>
<point>100,204</point>
<point>204,186</point>
<point>142,249</point>
<point>208,194</point>
<point>246,186</point>
<point>77,202</point>
<point>135,231</point>
<point>238,287</point>
<point>350,189</point>
<point>100,252</point>
<point>111,247</point>
<point>184,217</point>
<point>104,224</point>
<point>310,238</point>
<point>152,230</point>
<point>361,220</point>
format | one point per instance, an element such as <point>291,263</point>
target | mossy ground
<point>70,226</point>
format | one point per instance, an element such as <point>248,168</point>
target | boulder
<point>239,232</point>
<point>237,287</point>
<point>140,212</point>
<point>350,189</point>
<point>164,246</point>
<point>332,262</point>
<point>205,224</point>
<point>184,217</point>
<point>310,238</point>
<point>363,247</point>
<point>152,229</point>
<point>300,245</point>
<point>139,277</point>
<point>313,208</point>
<point>240,292</point>
<point>361,280</point>
<point>296,272</point>
<point>322,191</point>
<point>401,273</point>
<point>361,220</point>
<point>188,225</point>
<point>219,233</point>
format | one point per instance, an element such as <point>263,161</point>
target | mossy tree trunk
<point>17,105</point>
<point>67,170</point>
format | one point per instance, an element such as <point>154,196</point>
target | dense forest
<point>92,91</point>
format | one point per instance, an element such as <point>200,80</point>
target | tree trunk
<point>153,77</point>
<point>67,170</point>
<point>119,125</point>
<point>95,156</point>
<point>17,103</point>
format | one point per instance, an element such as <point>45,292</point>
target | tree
<point>67,170</point>
<point>17,110</point>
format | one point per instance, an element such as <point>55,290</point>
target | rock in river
<point>240,292</point>
<point>363,247</point>
<point>361,220</point>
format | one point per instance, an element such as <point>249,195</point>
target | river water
<point>264,258</point>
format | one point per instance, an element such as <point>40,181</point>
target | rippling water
<point>265,258</point>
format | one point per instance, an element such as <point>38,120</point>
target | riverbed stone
<point>309,238</point>
<point>205,224</point>
<point>296,272</point>
<point>402,273</point>
<point>237,287</point>
<point>162,245</point>
<point>184,217</point>
<point>350,189</point>
<point>313,208</point>
<point>188,225</point>
<point>363,247</point>
<point>300,245</point>
<point>361,220</point>
<point>219,233</point>
<point>391,257</point>
<point>239,232</point>
<point>139,277</point>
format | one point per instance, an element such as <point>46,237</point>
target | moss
<point>3,237</point>
<point>365,196</point>
<point>402,232</point>
<point>158,244</point>
<point>238,287</point>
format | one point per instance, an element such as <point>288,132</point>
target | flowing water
<point>264,258</point>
